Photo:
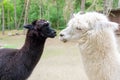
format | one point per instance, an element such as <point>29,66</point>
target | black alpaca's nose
<point>54,32</point>
<point>61,35</point>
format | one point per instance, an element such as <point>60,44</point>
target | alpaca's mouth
<point>52,36</point>
<point>64,40</point>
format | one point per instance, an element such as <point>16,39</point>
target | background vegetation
<point>15,13</point>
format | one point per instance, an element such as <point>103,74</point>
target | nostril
<point>55,32</point>
<point>61,35</point>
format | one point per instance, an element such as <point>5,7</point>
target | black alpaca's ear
<point>34,22</point>
<point>28,26</point>
<point>46,23</point>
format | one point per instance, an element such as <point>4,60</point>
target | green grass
<point>15,41</point>
<point>12,42</point>
<point>10,46</point>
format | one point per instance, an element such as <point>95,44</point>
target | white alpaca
<point>97,43</point>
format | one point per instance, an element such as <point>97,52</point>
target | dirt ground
<point>60,61</point>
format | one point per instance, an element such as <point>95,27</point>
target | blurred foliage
<point>57,12</point>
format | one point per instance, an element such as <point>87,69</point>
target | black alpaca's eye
<point>78,28</point>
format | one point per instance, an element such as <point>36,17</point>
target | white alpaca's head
<point>81,24</point>
<point>75,28</point>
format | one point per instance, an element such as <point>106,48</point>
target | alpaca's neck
<point>99,43</point>
<point>100,55</point>
<point>33,43</point>
<point>34,46</point>
<point>32,50</point>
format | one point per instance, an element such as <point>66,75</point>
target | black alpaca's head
<point>41,28</point>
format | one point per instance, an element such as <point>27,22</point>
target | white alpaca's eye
<point>78,28</point>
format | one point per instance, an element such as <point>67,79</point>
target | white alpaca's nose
<point>61,35</point>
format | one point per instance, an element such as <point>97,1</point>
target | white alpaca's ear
<point>106,25</point>
<point>72,15</point>
<point>81,12</point>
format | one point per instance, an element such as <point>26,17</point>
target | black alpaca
<point>18,64</point>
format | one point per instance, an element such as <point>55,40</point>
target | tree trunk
<point>21,17</point>
<point>3,20</point>
<point>27,3</point>
<point>107,6</point>
<point>57,8</point>
<point>8,19</point>
<point>26,11</point>
<point>82,7</point>
<point>68,9</point>
<point>94,2</point>
<point>119,4</point>
<point>15,15</point>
